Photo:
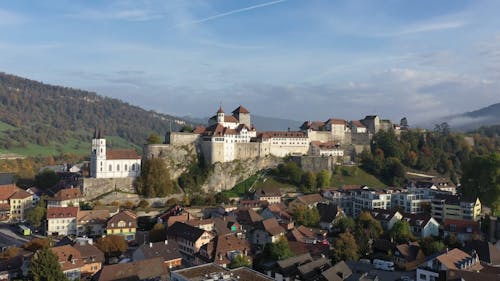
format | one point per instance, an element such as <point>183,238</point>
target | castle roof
<point>357,123</point>
<point>117,154</point>
<point>336,121</point>
<point>220,110</point>
<point>313,125</point>
<point>281,134</point>
<point>241,109</point>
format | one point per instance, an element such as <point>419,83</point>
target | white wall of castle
<point>120,168</point>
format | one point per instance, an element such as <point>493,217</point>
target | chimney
<point>150,245</point>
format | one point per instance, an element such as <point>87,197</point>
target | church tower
<point>243,116</point>
<point>220,115</point>
<point>98,154</point>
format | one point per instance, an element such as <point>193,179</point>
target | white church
<point>113,163</point>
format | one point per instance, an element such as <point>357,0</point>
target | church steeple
<point>220,115</point>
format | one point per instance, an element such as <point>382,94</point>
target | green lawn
<point>266,182</point>
<point>73,146</point>
<point>355,176</point>
<point>4,127</point>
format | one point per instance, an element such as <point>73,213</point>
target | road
<point>10,238</point>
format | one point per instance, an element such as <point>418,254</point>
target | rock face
<point>315,163</point>
<point>178,158</point>
<point>225,176</point>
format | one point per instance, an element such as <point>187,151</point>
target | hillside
<point>41,119</point>
<point>485,116</point>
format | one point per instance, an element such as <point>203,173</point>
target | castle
<point>233,137</point>
<point>115,163</point>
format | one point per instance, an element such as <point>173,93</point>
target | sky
<point>295,59</point>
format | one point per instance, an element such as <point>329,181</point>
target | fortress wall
<point>180,138</point>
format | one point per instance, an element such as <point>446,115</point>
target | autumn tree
<point>367,230</point>
<point>10,252</point>
<point>38,243</point>
<point>401,232</point>
<point>240,261</point>
<point>323,179</point>
<point>306,216</point>
<point>154,180</point>
<point>279,250</point>
<point>45,267</point>
<point>112,245</point>
<point>345,248</point>
<point>153,139</point>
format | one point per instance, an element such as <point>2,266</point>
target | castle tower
<point>98,153</point>
<point>220,115</point>
<point>243,116</point>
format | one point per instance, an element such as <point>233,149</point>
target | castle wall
<point>93,188</point>
<point>180,138</point>
<point>322,136</point>
<point>247,150</point>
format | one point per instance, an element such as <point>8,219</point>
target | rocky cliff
<point>225,176</point>
<point>177,157</point>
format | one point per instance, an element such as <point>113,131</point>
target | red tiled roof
<point>461,226</point>
<point>20,194</point>
<point>357,123</point>
<point>116,154</point>
<point>241,109</point>
<point>272,226</point>
<point>62,212</point>
<point>336,121</point>
<point>6,191</point>
<point>325,145</point>
<point>314,125</point>
<point>68,257</point>
<point>199,130</point>
<point>451,258</point>
<point>4,207</point>
<point>230,119</point>
<point>67,194</point>
<point>128,217</point>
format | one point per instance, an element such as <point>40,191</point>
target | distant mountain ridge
<point>35,115</point>
<point>262,123</point>
<point>485,116</point>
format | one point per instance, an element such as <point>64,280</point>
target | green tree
<point>278,250</point>
<point>154,180</point>
<point>239,261</point>
<point>36,216</point>
<point>45,267</point>
<point>401,232</point>
<point>367,230</point>
<point>481,179</point>
<point>158,233</point>
<point>345,248</point>
<point>308,182</point>
<point>430,246</point>
<point>112,245</point>
<point>46,179</point>
<point>323,179</point>
<point>153,139</point>
<point>345,224</point>
<point>306,216</point>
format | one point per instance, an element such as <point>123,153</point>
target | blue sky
<point>303,60</point>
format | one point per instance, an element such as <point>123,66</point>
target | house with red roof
<point>62,220</point>
<point>14,202</point>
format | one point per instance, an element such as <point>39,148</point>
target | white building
<point>61,220</point>
<point>329,148</point>
<point>369,199</point>
<point>116,163</point>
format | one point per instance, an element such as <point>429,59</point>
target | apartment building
<point>453,207</point>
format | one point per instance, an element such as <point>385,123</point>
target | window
<point>110,167</point>
<point>133,167</point>
<point>126,167</point>
<point>118,168</point>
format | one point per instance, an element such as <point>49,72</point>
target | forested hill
<point>34,115</point>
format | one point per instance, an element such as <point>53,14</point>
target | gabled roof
<point>339,272</point>
<point>357,123</point>
<point>186,231</point>
<point>310,269</point>
<point>117,154</point>
<point>486,251</point>
<point>452,259</point>
<point>281,134</point>
<point>461,226</point>
<point>168,250</point>
<point>134,271</point>
<point>409,251</point>
<point>7,190</point>
<point>20,194</point>
<point>271,226</point>
<point>68,257</point>
<point>336,121</point>
<point>128,217</point>
<point>89,253</point>
<point>241,109</point>
<point>62,212</point>
<point>225,244</point>
<point>93,216</point>
<point>223,225</point>
<point>248,216</point>
<point>67,194</point>
<point>310,198</point>
<point>270,191</point>
<point>294,261</point>
<point>312,125</point>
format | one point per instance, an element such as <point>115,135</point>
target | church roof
<point>116,154</point>
<point>220,110</point>
<point>241,109</point>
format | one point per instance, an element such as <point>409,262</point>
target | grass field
<point>265,182</point>
<point>4,127</point>
<point>355,176</point>
<point>73,146</point>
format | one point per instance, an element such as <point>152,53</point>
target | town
<point>95,226</point>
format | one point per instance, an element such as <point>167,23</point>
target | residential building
<point>91,223</point>
<point>70,260</point>
<point>408,256</point>
<point>223,250</point>
<point>267,231</point>
<point>342,197</point>
<point>412,202</point>
<point>287,269</point>
<point>464,230</point>
<point>339,272</point>
<point>328,148</point>
<point>143,270</point>
<point>271,195</point>
<point>116,163</point>
<point>422,225</point>
<point>62,220</point>
<point>14,202</point>
<point>205,224</point>
<point>280,213</point>
<point>189,238</point>
<point>303,234</point>
<point>453,207</point>
<point>12,268</point>
<point>454,259</point>
<point>166,250</point>
<point>124,224</point>
<point>92,258</point>
<point>488,253</point>
<point>313,270</point>
<point>67,197</point>
<point>211,271</point>
<point>387,218</point>
<point>369,199</point>
<point>308,201</point>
